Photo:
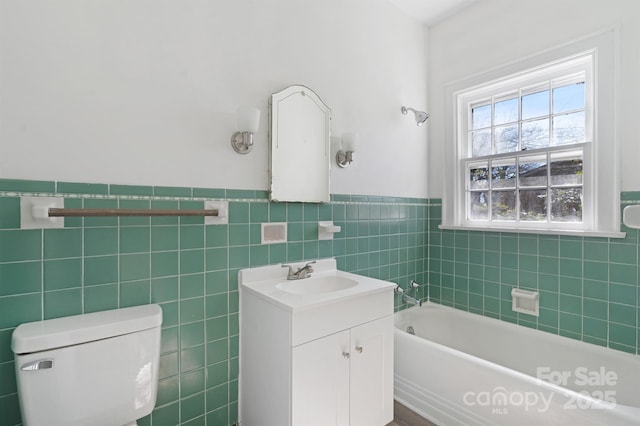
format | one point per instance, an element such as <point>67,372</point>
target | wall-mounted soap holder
<point>525,301</point>
<point>326,229</point>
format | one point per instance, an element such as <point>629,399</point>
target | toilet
<point>98,369</point>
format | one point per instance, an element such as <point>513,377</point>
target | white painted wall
<point>145,91</point>
<point>495,32</point>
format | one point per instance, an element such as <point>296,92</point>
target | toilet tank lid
<point>68,331</point>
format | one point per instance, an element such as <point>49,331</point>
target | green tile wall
<point>588,286</point>
<point>190,269</point>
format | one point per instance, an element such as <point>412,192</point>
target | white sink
<point>316,285</point>
<point>326,285</point>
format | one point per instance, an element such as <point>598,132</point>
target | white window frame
<point>596,57</point>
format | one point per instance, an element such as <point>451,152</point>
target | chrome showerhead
<point>421,116</point>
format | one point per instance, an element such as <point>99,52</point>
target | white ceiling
<point>431,12</point>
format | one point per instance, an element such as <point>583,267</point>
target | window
<point>527,156</point>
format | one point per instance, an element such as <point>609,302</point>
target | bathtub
<point>465,369</point>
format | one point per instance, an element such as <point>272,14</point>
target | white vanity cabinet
<point>325,363</point>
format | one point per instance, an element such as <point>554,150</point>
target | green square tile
<point>135,220</point>
<point>168,391</point>
<point>218,374</point>
<point>217,305</point>
<point>135,293</point>
<point>260,195</point>
<point>18,185</point>
<point>134,239</point>
<point>217,351</point>
<point>623,314</point>
<point>6,354</point>
<point>234,301</point>
<point>191,205</point>
<point>570,323</point>
<point>191,236</point>
<point>191,407</point>
<point>73,222</point>
<point>277,212</point>
<point>571,286</point>
<point>216,282</point>
<point>192,358</point>
<point>217,235</point>
<point>170,340</point>
<point>191,335</point>
<point>238,235</point>
<point>100,241</point>
<point>164,238</point>
<point>191,261</point>
<point>240,193</point>
<point>91,203</point>
<point>238,212</point>
<point>217,259</point>
<point>596,251</point>
<point>23,277</point>
<point>134,266</point>
<point>62,303</point>
<point>168,415</point>
<point>624,274</point>
<point>258,212</point>
<point>164,264</point>
<point>571,249</point>
<point>100,270</point>
<point>192,310</point>
<point>595,309</point>
<point>191,286</point>
<point>259,255</point>
<point>595,328</point>
<point>233,346</point>
<point>623,334</point>
<point>571,304</point>
<point>100,297</point>
<point>19,309</point>
<point>130,190</point>
<point>170,314</point>
<point>169,365</point>
<point>62,273</point>
<point>255,234</point>
<point>164,205</point>
<point>598,271</point>
<point>622,293</point>
<point>10,409</point>
<point>60,243</point>
<point>9,212</point>
<point>571,268</point>
<point>192,382</point>
<point>217,328</point>
<point>623,253</point>
<point>20,245</point>
<point>239,257</point>
<point>549,246</point>
<point>217,397</point>
<point>596,289</point>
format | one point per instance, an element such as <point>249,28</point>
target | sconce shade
<point>350,142</point>
<point>248,119</point>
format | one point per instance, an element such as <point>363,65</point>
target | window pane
<point>533,205</point>
<point>481,144</point>
<point>505,111</point>
<point>506,138</point>
<point>533,171</point>
<point>568,128</point>
<point>535,105</point>
<point>566,204</point>
<point>503,205</point>
<point>566,171</point>
<point>568,98</point>
<point>503,174</point>
<point>478,177</point>
<point>478,206</point>
<point>535,134</point>
<point>481,116</point>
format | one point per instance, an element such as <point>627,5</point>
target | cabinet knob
<point>359,349</point>
<point>346,355</point>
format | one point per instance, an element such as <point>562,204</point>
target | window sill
<point>572,232</point>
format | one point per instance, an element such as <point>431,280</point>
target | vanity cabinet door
<point>320,381</point>
<point>371,392</point>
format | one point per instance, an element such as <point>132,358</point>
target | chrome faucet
<point>405,297</point>
<point>304,272</point>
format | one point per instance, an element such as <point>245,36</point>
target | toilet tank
<point>98,369</point>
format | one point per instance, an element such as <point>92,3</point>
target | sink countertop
<point>263,282</point>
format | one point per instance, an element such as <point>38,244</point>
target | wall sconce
<point>421,116</point>
<point>348,145</point>
<point>248,121</point>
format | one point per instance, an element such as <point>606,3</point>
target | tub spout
<point>411,300</point>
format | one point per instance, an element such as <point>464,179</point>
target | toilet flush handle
<point>37,365</point>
